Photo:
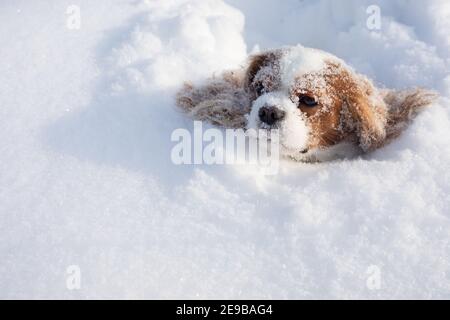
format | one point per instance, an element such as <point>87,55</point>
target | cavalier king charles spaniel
<point>322,108</point>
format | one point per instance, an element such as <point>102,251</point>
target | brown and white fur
<point>322,108</point>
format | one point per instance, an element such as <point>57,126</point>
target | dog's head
<point>315,101</point>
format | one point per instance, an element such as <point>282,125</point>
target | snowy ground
<point>86,178</point>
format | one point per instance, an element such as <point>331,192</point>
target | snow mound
<point>177,41</point>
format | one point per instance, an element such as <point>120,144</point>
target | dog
<point>322,108</point>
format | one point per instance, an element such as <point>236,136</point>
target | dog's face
<point>315,101</point>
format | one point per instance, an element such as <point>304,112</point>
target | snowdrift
<point>86,177</point>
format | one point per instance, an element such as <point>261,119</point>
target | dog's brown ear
<point>256,62</point>
<point>368,122</point>
<point>366,114</point>
<point>363,111</point>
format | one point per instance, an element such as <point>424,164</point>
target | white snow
<point>86,179</point>
<point>300,60</point>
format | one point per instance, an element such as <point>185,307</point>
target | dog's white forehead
<point>299,60</point>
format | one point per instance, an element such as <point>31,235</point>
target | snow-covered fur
<point>322,108</point>
<point>221,101</point>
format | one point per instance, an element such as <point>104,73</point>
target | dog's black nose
<point>270,115</point>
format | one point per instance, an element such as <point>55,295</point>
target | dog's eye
<point>259,87</point>
<point>307,101</point>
